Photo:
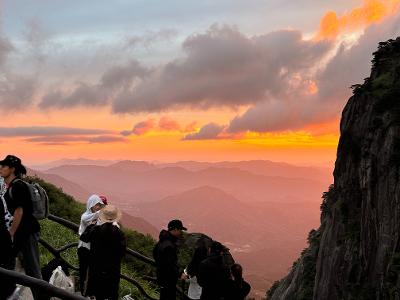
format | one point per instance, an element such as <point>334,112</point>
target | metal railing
<point>147,260</point>
<point>38,284</point>
<point>51,290</point>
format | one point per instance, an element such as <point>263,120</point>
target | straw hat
<point>110,214</point>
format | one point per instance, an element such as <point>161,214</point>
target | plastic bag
<point>62,281</point>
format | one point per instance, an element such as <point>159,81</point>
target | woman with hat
<point>107,248</point>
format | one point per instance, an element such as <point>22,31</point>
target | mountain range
<point>261,210</point>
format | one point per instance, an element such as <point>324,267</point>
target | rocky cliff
<point>355,254</point>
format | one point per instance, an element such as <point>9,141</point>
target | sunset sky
<point>176,80</point>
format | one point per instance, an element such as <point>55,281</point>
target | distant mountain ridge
<point>80,194</point>
<point>139,182</point>
<point>260,167</point>
<point>238,203</point>
<point>77,161</point>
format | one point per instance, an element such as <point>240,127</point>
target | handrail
<point>39,284</point>
<point>74,227</point>
<point>57,252</point>
<point>137,284</point>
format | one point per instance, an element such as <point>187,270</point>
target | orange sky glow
<point>162,140</point>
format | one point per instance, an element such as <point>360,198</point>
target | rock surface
<point>355,254</point>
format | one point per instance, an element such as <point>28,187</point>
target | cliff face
<point>355,254</point>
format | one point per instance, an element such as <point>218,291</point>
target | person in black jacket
<point>238,287</point>
<point>107,248</point>
<point>165,254</point>
<point>214,275</point>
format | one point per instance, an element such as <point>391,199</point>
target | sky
<point>177,80</point>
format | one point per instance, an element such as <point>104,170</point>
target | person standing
<point>165,254</point>
<point>90,216</point>
<point>238,287</point>
<point>107,248</point>
<point>24,230</point>
<point>214,276</point>
<point>200,254</point>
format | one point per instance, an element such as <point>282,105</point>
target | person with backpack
<point>165,254</point>
<point>200,254</point>
<point>238,288</point>
<point>107,248</point>
<point>90,216</point>
<point>24,230</point>
<point>214,275</point>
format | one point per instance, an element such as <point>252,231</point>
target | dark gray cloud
<point>112,81</point>
<point>48,131</point>
<point>17,92</point>
<point>83,95</point>
<point>37,39</point>
<point>55,140</point>
<point>66,139</point>
<point>126,132</point>
<point>207,132</point>
<point>350,65</point>
<point>223,67</point>
<point>103,139</point>
<point>5,49</point>
<point>151,37</point>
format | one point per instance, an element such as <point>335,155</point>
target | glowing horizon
<point>176,94</point>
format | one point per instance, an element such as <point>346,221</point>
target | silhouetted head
<point>11,166</point>
<point>175,228</point>
<point>216,248</point>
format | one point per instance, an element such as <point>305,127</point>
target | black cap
<point>14,162</point>
<point>176,224</point>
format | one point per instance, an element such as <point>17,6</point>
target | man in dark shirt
<point>25,228</point>
<point>166,257</point>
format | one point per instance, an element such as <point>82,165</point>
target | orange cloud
<point>372,11</point>
<point>168,124</point>
<point>143,127</point>
<point>191,127</point>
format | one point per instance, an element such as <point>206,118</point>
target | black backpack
<point>39,198</point>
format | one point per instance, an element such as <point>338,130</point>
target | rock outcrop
<point>355,254</point>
